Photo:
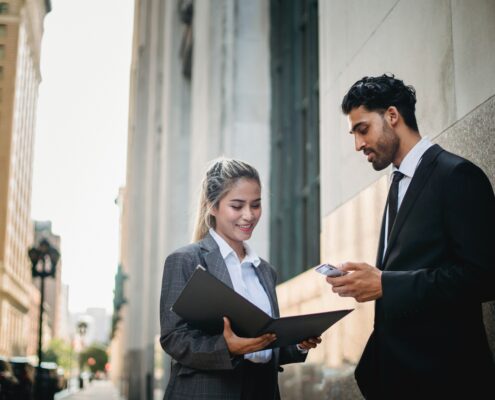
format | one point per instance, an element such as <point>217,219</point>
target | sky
<point>81,138</point>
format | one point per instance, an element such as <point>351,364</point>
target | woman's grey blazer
<point>201,364</point>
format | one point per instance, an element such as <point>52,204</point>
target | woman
<point>224,366</point>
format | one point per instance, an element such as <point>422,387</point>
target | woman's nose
<point>248,214</point>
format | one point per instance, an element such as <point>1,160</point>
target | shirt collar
<point>413,158</point>
<point>226,250</point>
<point>251,256</point>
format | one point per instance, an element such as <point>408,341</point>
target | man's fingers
<point>348,266</point>
<point>337,281</point>
<point>343,291</point>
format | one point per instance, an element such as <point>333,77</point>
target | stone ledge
<point>312,381</point>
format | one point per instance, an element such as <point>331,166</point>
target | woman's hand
<point>239,345</point>
<point>310,343</point>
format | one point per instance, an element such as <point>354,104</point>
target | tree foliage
<point>95,357</point>
<point>60,352</point>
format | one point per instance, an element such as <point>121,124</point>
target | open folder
<point>205,300</point>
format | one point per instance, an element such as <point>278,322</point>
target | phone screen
<point>329,270</point>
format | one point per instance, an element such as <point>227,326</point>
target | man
<point>435,263</point>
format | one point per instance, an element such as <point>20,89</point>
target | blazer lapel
<point>418,181</point>
<point>379,256</point>
<point>215,265</point>
<point>269,286</point>
<point>214,261</point>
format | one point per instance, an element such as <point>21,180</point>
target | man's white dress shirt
<point>408,168</point>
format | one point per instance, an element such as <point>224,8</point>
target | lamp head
<point>34,255</point>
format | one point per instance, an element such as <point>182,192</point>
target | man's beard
<point>386,148</point>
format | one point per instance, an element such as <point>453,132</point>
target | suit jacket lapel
<point>379,256</point>
<point>214,261</point>
<point>418,181</point>
<point>269,286</point>
<point>215,265</point>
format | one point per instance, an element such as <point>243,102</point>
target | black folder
<point>205,300</point>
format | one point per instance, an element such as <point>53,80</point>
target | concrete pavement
<point>96,390</point>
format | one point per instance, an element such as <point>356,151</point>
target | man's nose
<point>358,143</point>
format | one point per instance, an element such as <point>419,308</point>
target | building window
<point>1,72</point>
<point>3,30</point>
<point>295,171</point>
<point>4,8</point>
<point>2,51</point>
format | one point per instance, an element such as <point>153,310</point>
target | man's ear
<point>392,116</point>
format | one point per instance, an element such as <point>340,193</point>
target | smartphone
<point>329,270</point>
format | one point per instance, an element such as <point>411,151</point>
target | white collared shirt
<point>246,283</point>
<point>408,168</point>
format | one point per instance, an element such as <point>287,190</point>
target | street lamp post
<point>44,259</point>
<point>82,327</point>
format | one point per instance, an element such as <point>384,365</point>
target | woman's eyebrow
<point>243,201</point>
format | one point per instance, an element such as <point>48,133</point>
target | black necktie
<point>393,200</point>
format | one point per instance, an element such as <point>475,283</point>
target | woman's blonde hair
<point>221,175</point>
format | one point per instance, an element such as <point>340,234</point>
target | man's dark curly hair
<point>379,93</point>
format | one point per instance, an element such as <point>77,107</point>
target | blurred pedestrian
<point>8,382</point>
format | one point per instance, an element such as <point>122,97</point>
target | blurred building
<point>21,31</point>
<point>98,325</point>
<point>262,81</point>
<point>118,335</point>
<point>100,331</point>
<point>64,331</point>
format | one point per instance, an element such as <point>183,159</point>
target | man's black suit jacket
<point>429,339</point>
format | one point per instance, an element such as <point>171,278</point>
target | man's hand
<point>239,345</point>
<point>310,343</point>
<point>364,282</point>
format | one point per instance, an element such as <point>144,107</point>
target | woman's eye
<point>256,206</point>
<point>236,207</point>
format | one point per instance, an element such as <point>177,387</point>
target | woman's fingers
<point>226,325</point>
<point>238,345</point>
<point>256,344</point>
<point>261,341</point>
<point>310,343</point>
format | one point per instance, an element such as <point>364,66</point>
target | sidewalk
<point>98,390</point>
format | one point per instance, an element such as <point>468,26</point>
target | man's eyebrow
<point>356,126</point>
